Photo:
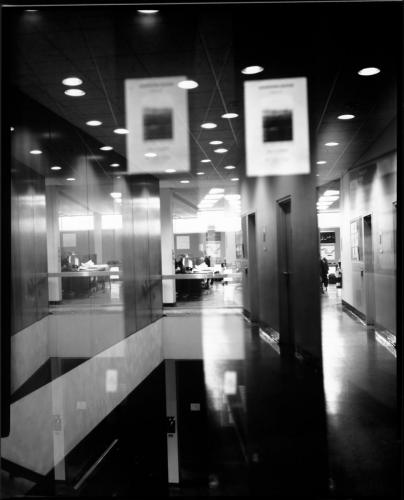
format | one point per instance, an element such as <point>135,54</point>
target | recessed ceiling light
<point>321,162</point>
<point>72,81</point>
<point>221,150</point>
<point>56,167</point>
<point>234,179</point>
<point>346,117</point>
<point>368,71</point>
<point>230,115</point>
<point>170,170</point>
<point>252,70</point>
<point>148,11</point>
<point>188,84</point>
<point>75,92</point>
<point>121,131</point>
<point>216,190</point>
<point>31,10</point>
<point>35,152</point>
<point>215,143</point>
<point>200,173</point>
<point>184,181</point>
<point>209,125</point>
<point>106,148</point>
<point>150,155</point>
<point>116,194</point>
<point>114,165</point>
<point>71,179</point>
<point>331,144</point>
<point>206,160</point>
<point>94,123</point>
<point>229,167</point>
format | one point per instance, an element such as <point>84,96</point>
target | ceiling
<point>328,43</point>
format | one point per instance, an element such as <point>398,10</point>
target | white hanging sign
<point>277,127</point>
<point>157,120</point>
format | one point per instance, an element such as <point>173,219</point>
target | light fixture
<point>31,10</point>
<point>184,181</point>
<point>75,92</point>
<point>121,131</point>
<point>56,167</point>
<point>234,179</point>
<point>170,170</point>
<point>118,200</point>
<point>331,192</point>
<point>150,155</point>
<point>368,71</point>
<point>328,198</point>
<point>71,179</point>
<point>148,11</point>
<point>208,125</point>
<point>116,194</point>
<point>188,84</point>
<point>215,143</point>
<point>206,160</point>
<point>232,197</point>
<point>35,152</point>
<point>216,190</point>
<point>252,70</point>
<point>72,81</point>
<point>230,115</point>
<point>210,197</point>
<point>229,167</point>
<point>200,173</point>
<point>346,117</point>
<point>321,162</point>
<point>114,165</point>
<point>93,123</point>
<point>106,148</point>
<point>331,144</point>
<point>221,150</point>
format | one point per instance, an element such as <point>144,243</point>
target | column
<point>53,243</point>
<point>167,245</point>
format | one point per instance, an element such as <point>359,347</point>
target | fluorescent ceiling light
<point>200,173</point>
<point>72,81</point>
<point>232,196</point>
<point>252,70</point>
<point>208,125</point>
<point>206,160</point>
<point>234,179</point>
<point>71,179</point>
<point>148,11</point>
<point>94,123</point>
<point>56,167</point>
<point>184,181</point>
<point>35,152</point>
<point>230,115</point>
<point>229,167</point>
<point>114,165</point>
<point>170,170</point>
<point>346,117</point>
<point>215,143</point>
<point>150,155</point>
<point>213,196</point>
<point>221,150</point>
<point>216,190</point>
<point>188,84</point>
<point>331,144</point>
<point>331,192</point>
<point>321,162</point>
<point>368,71</point>
<point>106,148</point>
<point>116,195</point>
<point>75,92</point>
<point>328,198</point>
<point>121,131</point>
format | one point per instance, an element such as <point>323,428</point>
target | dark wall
<point>28,248</point>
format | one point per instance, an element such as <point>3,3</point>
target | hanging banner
<point>277,127</point>
<point>157,120</point>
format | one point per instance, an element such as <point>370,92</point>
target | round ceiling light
<point>114,165</point>
<point>206,160</point>
<point>230,115</point>
<point>106,148</point>
<point>170,170</point>
<point>72,81</point>
<point>230,167</point>
<point>150,155</point>
<point>252,70</point>
<point>200,173</point>
<point>331,144</point>
<point>56,167</point>
<point>94,123</point>
<point>346,117</point>
<point>188,84</point>
<point>11,129</point>
<point>221,150</point>
<point>184,181</point>
<point>215,143</point>
<point>148,11</point>
<point>121,131</point>
<point>75,92</point>
<point>368,71</point>
<point>35,152</point>
<point>209,125</point>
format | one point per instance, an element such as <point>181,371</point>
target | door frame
<point>368,268</point>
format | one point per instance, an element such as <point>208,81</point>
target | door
<point>285,275</point>
<point>250,267</point>
<point>369,282</point>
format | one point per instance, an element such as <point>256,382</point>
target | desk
<point>84,281</point>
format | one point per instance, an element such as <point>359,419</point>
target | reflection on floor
<point>218,295</point>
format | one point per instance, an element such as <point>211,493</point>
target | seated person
<point>179,264</point>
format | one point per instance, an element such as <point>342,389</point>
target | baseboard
<point>247,314</point>
<point>353,310</point>
<point>169,304</point>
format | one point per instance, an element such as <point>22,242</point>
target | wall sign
<point>277,128</point>
<point>157,120</point>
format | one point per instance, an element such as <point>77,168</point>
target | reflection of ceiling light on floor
<point>121,131</point>
<point>221,150</point>
<point>150,155</point>
<point>184,181</point>
<point>368,71</point>
<point>209,125</point>
<point>106,148</point>
<point>75,92</point>
<point>331,144</point>
<point>56,167</point>
<point>72,81</point>
<point>187,84</point>
<point>94,123</point>
<point>321,162</point>
<point>252,70</point>
<point>230,115</point>
<point>36,152</point>
<point>170,170</point>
